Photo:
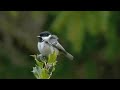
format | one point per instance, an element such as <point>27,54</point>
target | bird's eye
<point>46,34</point>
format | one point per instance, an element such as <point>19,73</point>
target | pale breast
<point>45,49</point>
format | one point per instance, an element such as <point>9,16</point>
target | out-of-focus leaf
<point>60,21</point>
<point>75,31</point>
<point>13,13</point>
<point>36,14</point>
<point>90,70</point>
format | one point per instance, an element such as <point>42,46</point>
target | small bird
<point>48,43</point>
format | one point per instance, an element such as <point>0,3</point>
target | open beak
<point>38,36</point>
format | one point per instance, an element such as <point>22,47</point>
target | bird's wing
<point>54,42</point>
<point>54,37</point>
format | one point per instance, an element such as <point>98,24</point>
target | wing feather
<point>54,42</point>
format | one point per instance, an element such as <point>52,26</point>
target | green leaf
<point>34,56</point>
<point>41,72</point>
<point>52,57</point>
<point>53,69</point>
<point>54,63</point>
<point>40,64</point>
<point>36,72</point>
<point>44,74</point>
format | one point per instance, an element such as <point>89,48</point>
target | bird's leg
<point>42,59</point>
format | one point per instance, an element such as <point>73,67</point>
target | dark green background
<point>92,37</point>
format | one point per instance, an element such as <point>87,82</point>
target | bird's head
<point>44,35</point>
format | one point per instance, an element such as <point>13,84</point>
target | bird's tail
<point>69,56</point>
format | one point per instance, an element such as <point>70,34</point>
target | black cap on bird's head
<point>45,34</point>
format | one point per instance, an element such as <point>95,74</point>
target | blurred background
<point>92,37</point>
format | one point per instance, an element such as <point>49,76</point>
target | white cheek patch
<point>46,38</point>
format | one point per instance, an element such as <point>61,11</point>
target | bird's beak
<point>38,36</point>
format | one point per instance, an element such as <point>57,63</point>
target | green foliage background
<point>92,37</point>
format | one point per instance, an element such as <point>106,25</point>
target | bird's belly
<point>45,49</point>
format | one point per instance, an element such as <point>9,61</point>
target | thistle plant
<point>44,68</point>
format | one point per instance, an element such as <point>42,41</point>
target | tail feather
<point>69,56</point>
